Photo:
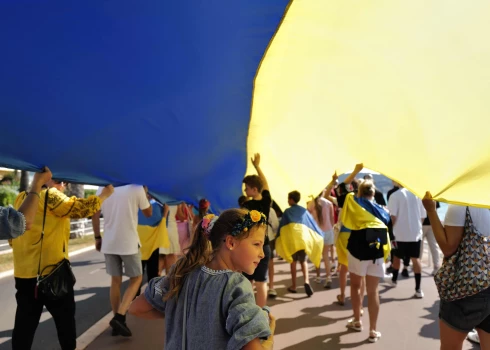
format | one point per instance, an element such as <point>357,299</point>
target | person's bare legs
<point>261,296</point>
<point>129,294</point>
<point>343,280</point>
<point>417,266</point>
<point>293,275</point>
<point>115,293</point>
<point>271,273</point>
<point>161,264</point>
<point>326,260</point>
<point>304,270</point>
<point>371,283</point>
<point>362,292</point>
<point>484,339</point>
<point>355,295</point>
<point>452,339</point>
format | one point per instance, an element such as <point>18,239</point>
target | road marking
<point>70,254</point>
<point>97,329</point>
<point>94,271</point>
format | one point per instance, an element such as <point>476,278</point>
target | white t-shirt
<point>409,213</point>
<point>121,219</point>
<point>456,216</point>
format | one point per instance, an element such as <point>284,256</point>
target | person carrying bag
<point>42,271</point>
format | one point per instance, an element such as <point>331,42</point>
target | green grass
<point>6,260</point>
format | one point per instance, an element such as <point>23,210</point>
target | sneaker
<point>391,283</point>
<point>405,273</point>
<point>308,290</point>
<point>272,293</point>
<point>328,283</point>
<point>354,325</point>
<point>434,271</point>
<point>419,294</point>
<point>374,336</point>
<point>120,327</point>
<point>389,269</point>
<point>318,280</point>
<point>473,337</point>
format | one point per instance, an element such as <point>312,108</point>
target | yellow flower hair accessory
<point>251,219</point>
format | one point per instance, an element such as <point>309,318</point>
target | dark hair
<point>202,247</point>
<point>343,189</point>
<point>367,189</point>
<point>355,184</point>
<point>295,196</point>
<point>254,181</point>
<point>242,200</point>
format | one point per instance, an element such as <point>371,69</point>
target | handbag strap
<point>42,232</point>
<point>184,322</point>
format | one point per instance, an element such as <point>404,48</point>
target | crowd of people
<point>216,273</point>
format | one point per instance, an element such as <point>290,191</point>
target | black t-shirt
<point>379,198</point>
<point>263,205</point>
<point>341,200</point>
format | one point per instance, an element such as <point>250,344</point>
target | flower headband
<point>208,223</point>
<point>251,219</point>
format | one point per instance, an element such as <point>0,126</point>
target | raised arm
<point>30,203</point>
<point>256,164</point>
<point>353,175</point>
<point>77,208</point>
<point>448,237</point>
<point>328,190</point>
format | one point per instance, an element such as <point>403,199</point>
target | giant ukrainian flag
<point>178,95</point>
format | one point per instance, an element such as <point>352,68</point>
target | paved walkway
<point>319,323</point>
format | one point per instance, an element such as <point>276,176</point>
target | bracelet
<point>32,192</point>
<point>98,237</point>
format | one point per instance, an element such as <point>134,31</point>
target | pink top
<point>327,214</point>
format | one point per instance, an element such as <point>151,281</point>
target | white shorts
<point>367,267</point>
<point>328,237</point>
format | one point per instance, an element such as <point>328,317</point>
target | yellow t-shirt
<point>61,208</point>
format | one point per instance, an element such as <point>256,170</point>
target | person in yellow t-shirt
<point>26,253</point>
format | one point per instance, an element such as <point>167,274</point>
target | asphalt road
<point>91,295</point>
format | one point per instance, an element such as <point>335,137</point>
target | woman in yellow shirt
<point>26,252</point>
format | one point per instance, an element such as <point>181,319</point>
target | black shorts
<point>465,314</point>
<point>407,249</point>
<point>299,256</point>
<point>260,274</point>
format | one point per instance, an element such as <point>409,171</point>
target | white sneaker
<point>328,283</point>
<point>272,293</point>
<point>473,336</point>
<point>434,271</point>
<point>318,280</point>
<point>419,294</point>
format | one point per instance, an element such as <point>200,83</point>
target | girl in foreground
<point>221,312</point>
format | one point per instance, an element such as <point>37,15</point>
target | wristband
<point>98,237</point>
<point>35,193</point>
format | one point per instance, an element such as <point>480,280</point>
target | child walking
<point>205,299</point>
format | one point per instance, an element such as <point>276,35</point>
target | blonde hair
<point>366,189</point>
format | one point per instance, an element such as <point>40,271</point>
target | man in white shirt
<point>121,246</point>
<point>407,214</point>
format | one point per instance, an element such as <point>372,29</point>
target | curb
<point>70,254</point>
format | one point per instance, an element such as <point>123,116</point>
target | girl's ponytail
<point>197,255</point>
